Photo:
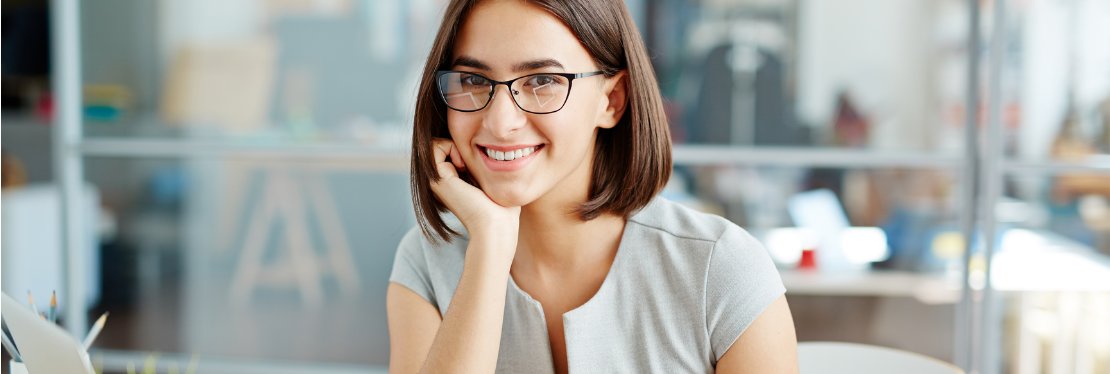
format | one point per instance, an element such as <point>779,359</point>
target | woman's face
<point>506,39</point>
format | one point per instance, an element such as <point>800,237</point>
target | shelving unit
<point>811,157</point>
<point>166,148</point>
<point>683,154</point>
<point>1096,163</point>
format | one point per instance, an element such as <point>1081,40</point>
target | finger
<point>441,148</point>
<point>457,159</point>
<point>439,154</point>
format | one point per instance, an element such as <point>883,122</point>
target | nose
<point>502,117</point>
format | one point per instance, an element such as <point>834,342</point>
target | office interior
<point>229,178</point>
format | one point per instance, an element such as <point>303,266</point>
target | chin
<point>508,197</point>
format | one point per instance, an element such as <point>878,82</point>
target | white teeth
<point>510,155</point>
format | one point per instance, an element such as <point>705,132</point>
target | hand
<point>478,213</point>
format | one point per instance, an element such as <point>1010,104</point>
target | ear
<point>615,89</point>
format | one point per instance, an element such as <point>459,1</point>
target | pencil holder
<point>16,367</point>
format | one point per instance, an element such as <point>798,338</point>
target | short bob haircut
<point>632,160</point>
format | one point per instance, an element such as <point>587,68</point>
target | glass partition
<point>254,72</point>
<point>252,158</point>
<point>1051,270</point>
<point>250,161</point>
<point>875,75</point>
<point>250,258</point>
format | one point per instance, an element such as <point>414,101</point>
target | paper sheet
<point>45,347</point>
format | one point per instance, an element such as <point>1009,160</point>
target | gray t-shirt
<point>683,286</point>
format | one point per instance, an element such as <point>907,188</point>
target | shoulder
<point>429,267</point>
<point>415,246</point>
<point>728,248</point>
<point>413,241</point>
<point>700,237</point>
<point>417,243</point>
<point>733,272</point>
<point>673,219</point>
<point>693,242</point>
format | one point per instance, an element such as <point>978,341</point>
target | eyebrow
<point>471,62</point>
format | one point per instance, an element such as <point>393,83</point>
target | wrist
<point>493,244</point>
<point>494,230</point>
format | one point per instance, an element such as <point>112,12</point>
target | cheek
<point>587,100</point>
<point>573,129</point>
<point>461,128</point>
<point>455,123</point>
<point>571,137</point>
<point>582,110</point>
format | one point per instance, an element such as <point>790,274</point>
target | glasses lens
<point>462,91</point>
<point>541,93</point>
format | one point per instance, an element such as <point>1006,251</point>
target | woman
<point>557,256</point>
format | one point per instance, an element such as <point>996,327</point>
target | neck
<point>556,238</point>
<point>552,235</point>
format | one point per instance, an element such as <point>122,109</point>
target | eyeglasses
<point>536,93</point>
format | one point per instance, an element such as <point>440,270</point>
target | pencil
<point>44,316</point>
<point>54,307</point>
<point>99,325</point>
<point>31,301</point>
<point>11,348</point>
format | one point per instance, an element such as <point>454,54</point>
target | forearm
<point>470,335</point>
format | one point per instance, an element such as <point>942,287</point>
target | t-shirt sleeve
<point>741,283</point>
<point>410,267</point>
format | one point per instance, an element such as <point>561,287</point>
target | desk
<point>931,289</point>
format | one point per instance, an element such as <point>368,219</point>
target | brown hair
<point>632,161</point>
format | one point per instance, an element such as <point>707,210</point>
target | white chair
<point>837,358</point>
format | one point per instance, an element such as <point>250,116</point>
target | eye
<point>474,80</point>
<point>540,80</point>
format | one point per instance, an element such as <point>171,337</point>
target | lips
<point>510,154</point>
<point>508,158</point>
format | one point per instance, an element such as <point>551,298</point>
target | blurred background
<point>229,178</point>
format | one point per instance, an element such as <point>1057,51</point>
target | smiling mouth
<point>512,154</point>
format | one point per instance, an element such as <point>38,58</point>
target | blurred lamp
<point>785,244</point>
<point>863,245</point>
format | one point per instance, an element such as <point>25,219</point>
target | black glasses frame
<point>509,84</point>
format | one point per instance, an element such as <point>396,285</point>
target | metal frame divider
<point>991,182</point>
<point>962,344</point>
<point>68,165</point>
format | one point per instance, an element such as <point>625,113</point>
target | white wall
<point>191,21</point>
<point>1047,26</point>
<point>880,51</point>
